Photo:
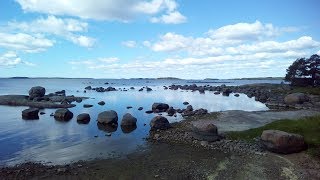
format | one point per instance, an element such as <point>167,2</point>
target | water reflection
<point>128,129</point>
<point>61,142</point>
<point>107,127</point>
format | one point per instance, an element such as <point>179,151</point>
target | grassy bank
<point>308,127</point>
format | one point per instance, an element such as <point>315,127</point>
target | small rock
<point>185,103</point>
<point>30,114</point>
<point>159,122</point>
<point>149,112</point>
<point>140,108</point>
<point>87,105</point>
<point>83,118</point>
<point>101,103</point>
<point>63,114</point>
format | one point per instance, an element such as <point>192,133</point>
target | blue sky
<point>155,38</point>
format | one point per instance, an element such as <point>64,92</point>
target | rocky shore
<point>275,96</point>
<point>200,131</point>
<point>38,99</point>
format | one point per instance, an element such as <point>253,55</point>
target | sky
<point>156,38</point>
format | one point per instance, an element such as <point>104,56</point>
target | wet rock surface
<point>36,91</point>
<point>83,118</point>
<point>159,122</point>
<point>128,120</point>
<point>108,117</point>
<point>63,114</point>
<point>30,114</point>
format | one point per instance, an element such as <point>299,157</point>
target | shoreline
<point>180,135</point>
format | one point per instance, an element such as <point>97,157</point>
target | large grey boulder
<point>205,131</point>
<point>128,120</point>
<point>108,117</point>
<point>296,98</point>
<point>161,107</point>
<point>30,114</point>
<point>36,91</point>
<point>63,114</point>
<point>83,118</point>
<point>159,122</point>
<point>282,142</point>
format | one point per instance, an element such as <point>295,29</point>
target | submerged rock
<point>149,111</point>
<point>63,114</point>
<point>88,88</point>
<point>185,103</point>
<point>83,118</point>
<point>282,142</point>
<point>87,105</point>
<point>108,117</point>
<point>30,114</point>
<point>159,122</point>
<point>101,103</point>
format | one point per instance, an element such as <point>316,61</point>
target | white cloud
<point>108,60</point>
<point>24,42</point>
<point>247,31</point>
<point>241,38</point>
<point>120,10</point>
<point>318,52</point>
<point>11,59</point>
<point>129,44</point>
<point>146,43</point>
<point>174,17</point>
<point>301,43</point>
<point>95,62</point>
<point>171,42</point>
<point>66,28</point>
<point>83,41</point>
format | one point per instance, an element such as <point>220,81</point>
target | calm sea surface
<point>51,141</point>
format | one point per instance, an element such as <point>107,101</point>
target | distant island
<point>169,78</point>
<point>260,78</point>
<point>19,78</point>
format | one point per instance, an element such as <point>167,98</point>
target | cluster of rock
<point>188,111</point>
<point>108,121</point>
<point>38,99</point>
<point>206,135</point>
<point>146,88</point>
<point>101,89</point>
<point>274,96</point>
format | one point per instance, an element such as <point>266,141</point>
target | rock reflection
<point>107,128</point>
<point>128,129</point>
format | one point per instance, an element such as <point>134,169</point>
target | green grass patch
<point>308,127</point>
